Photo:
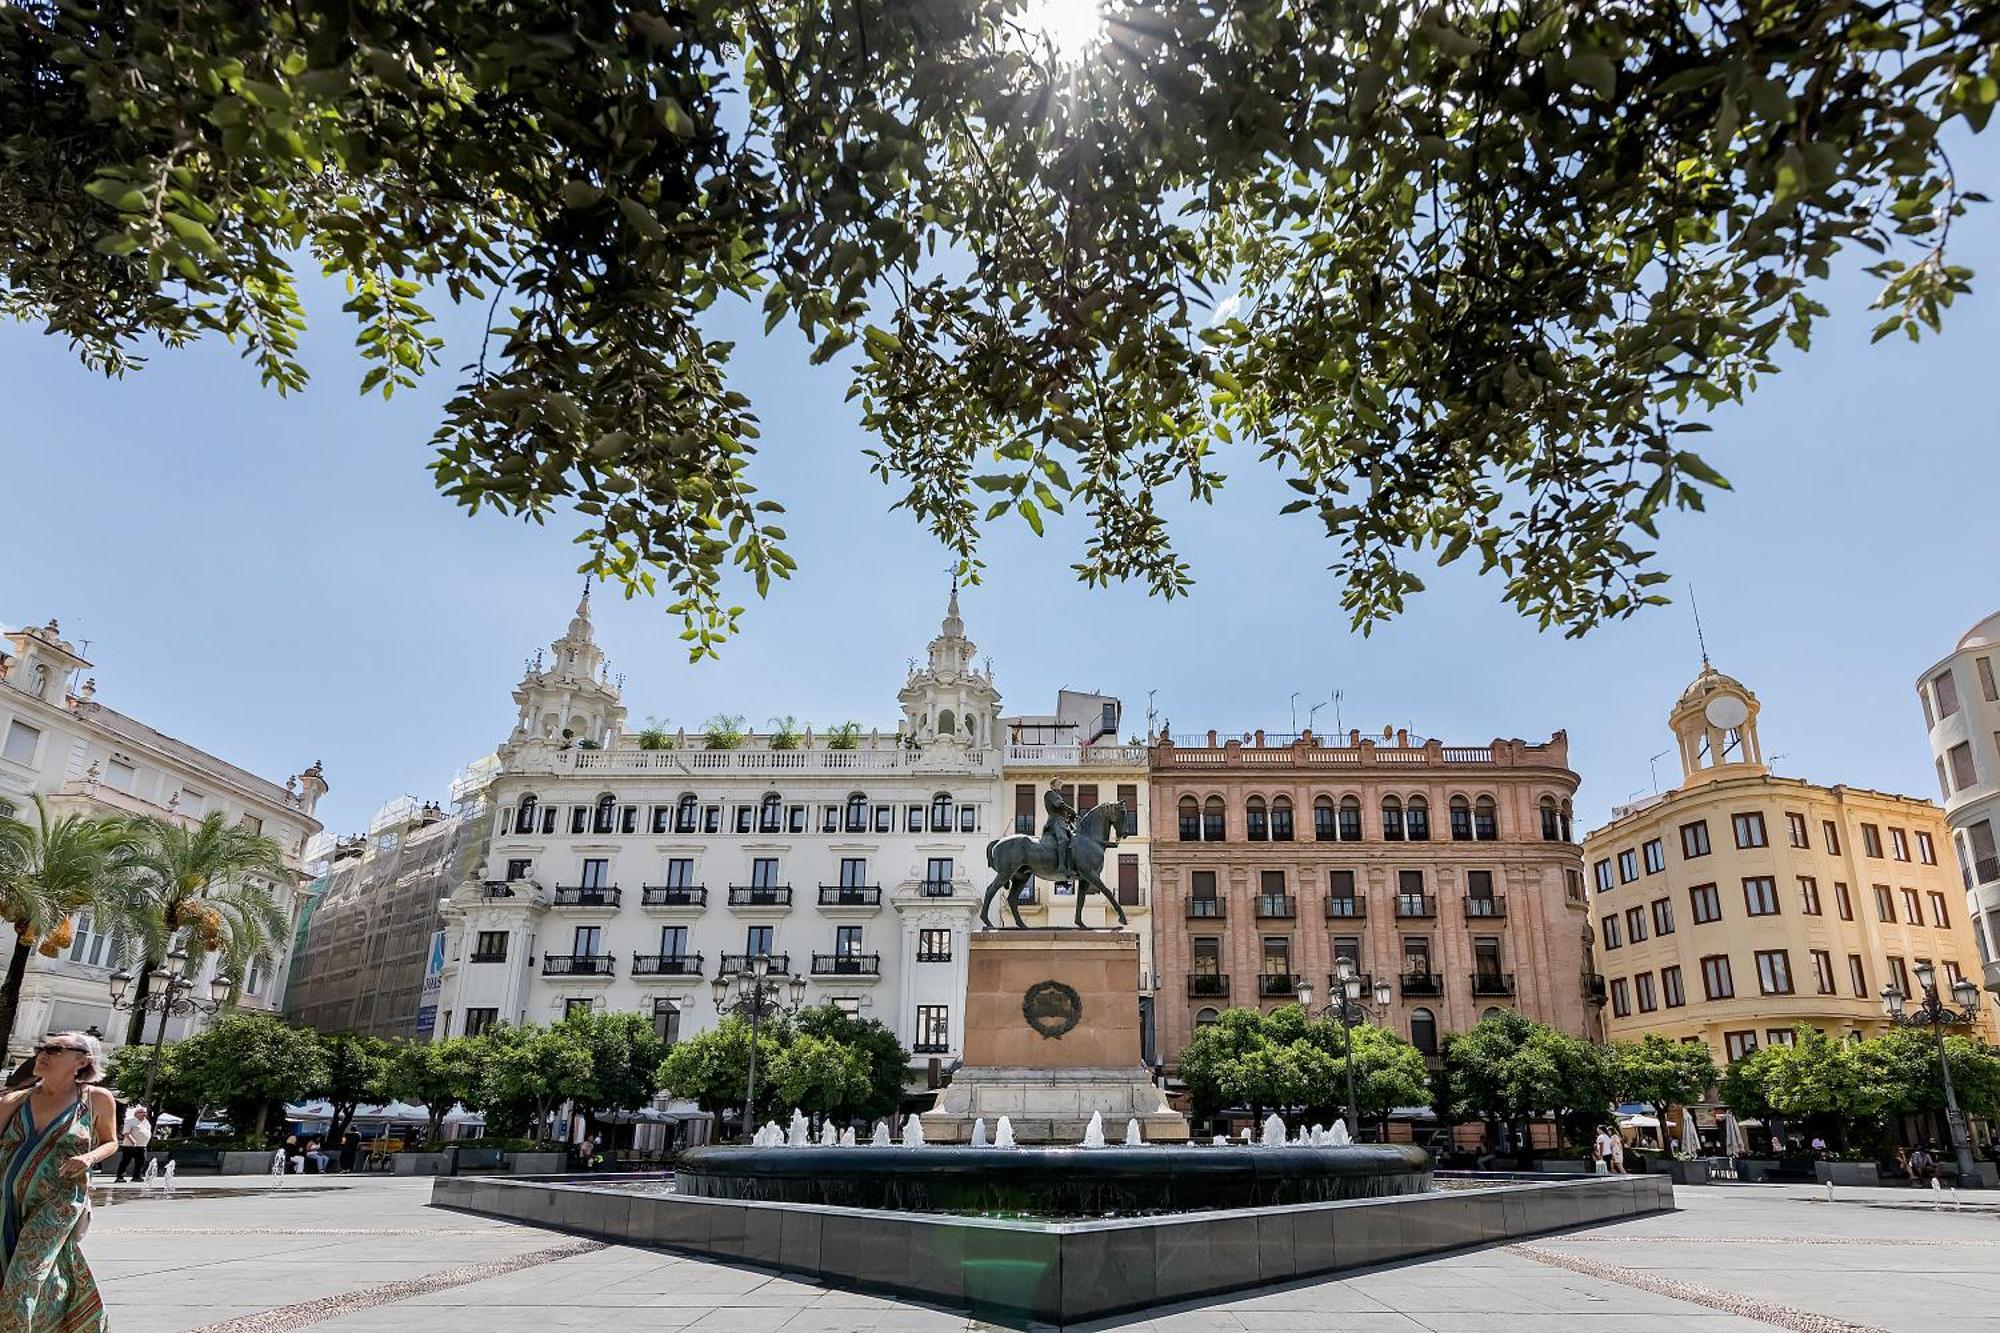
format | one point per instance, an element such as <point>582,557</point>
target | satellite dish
<point>1388,732</point>
<point>1726,711</point>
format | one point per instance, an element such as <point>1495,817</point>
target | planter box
<point>538,1163</point>
<point>191,1159</point>
<point>248,1162</point>
<point>1693,1171</point>
<point>1989,1174</point>
<point>1847,1173</point>
<point>1755,1168</point>
<point>423,1164</point>
<point>1561,1168</point>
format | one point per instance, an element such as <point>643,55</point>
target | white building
<point>58,742</point>
<point>623,877</point>
<point>1961,701</point>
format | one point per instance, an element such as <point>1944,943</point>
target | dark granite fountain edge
<point>1060,1272</point>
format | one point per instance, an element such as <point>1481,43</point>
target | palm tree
<point>50,868</point>
<point>194,883</point>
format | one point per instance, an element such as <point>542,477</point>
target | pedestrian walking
<point>132,1141</point>
<point>1617,1153</point>
<point>350,1148</point>
<point>1600,1151</point>
<point>51,1135</point>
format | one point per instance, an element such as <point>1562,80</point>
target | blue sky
<point>276,580</point>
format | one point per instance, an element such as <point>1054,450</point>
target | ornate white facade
<point>58,742</point>
<point>623,877</point>
<point>1961,702</point>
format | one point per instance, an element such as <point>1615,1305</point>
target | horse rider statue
<point>1072,847</point>
<point>1058,830</point>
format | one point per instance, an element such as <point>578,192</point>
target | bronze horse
<point>1015,860</point>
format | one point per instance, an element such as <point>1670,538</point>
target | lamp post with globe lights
<point>174,996</point>
<point>1347,1006</point>
<point>754,992</point>
<point>1934,1014</point>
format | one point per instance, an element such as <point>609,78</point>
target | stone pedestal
<point>1051,1036</point>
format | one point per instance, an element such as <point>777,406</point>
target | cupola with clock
<point>1716,723</point>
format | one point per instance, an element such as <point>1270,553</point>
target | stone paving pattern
<point>264,1257</point>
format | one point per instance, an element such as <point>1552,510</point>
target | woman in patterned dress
<point>51,1135</point>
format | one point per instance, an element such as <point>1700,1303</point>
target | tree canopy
<point>1661,1073</point>
<point>1467,275</point>
<point>1510,1067</point>
<point>1289,1061</point>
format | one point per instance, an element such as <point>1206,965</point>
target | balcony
<point>1024,824</point>
<point>504,888</point>
<point>850,895</point>
<point>847,964</point>
<point>499,956</point>
<point>935,888</point>
<point>1416,905</point>
<point>1486,907</point>
<point>1492,983</point>
<point>1594,989</point>
<point>1422,984</point>
<point>1274,905</point>
<point>666,964</point>
<point>1985,870</point>
<point>673,895</point>
<point>1271,985</point>
<point>929,1048</point>
<point>587,895</point>
<point>1351,908</point>
<point>732,963</point>
<point>1206,987</point>
<point>1209,909</point>
<point>1367,980</point>
<point>577,964</point>
<point>760,895</point>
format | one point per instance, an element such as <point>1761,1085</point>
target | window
<point>1424,1031</point>
<point>1760,896</point>
<point>574,1005</point>
<point>1128,797</point>
<point>666,1021</point>
<point>1843,901</point>
<point>1573,884</point>
<point>1952,974</point>
<point>21,742</point>
<point>933,1029</point>
<point>742,819</point>
<point>1706,902</point>
<point>1885,906</point>
<point>596,873</point>
<point>885,818</point>
<point>680,873</point>
<point>519,868</point>
<point>1461,820</point>
<point>1694,839</point>
<point>1621,998</point>
<point>1281,820</point>
<point>1350,819</point>
<point>1485,827</point>
<point>1901,975</point>
<point>1628,866</point>
<point>1926,849</point>
<point>1340,897</point>
<point>934,945</point>
<point>1823,971</point>
<point>941,813</point>
<point>938,870</point>
<point>1611,936</point>
<point>1128,880</point>
<point>1419,820</point>
<point>853,872</point>
<point>490,947</point>
<point>1552,822</point>
<point>760,940</point>
<point>524,815</point>
<point>1663,916</point>
<point>1829,833</point>
<point>1416,956</point>
<point>1774,971</point>
<point>1899,844</point>
<point>1603,872</point>
<point>684,813</point>
<point>1780,1036</point>
<point>1277,957</point>
<point>605,819</point>
<point>1642,986</point>
<point>1190,821</point>
<point>1655,856</point>
<point>1256,821</point>
<point>1857,975</point>
<point>1963,773</point>
<point>1715,978</point>
<point>1392,819</point>
<point>1213,824</point>
<point>1940,917</point>
<point>847,941</point>
<point>1206,960</point>
<point>1348,947</point>
<point>1739,1044</point>
<point>1323,830</point>
<point>1947,694</point>
<point>477,1021</point>
<point>1913,914</point>
<point>587,942</point>
<point>673,941</point>
<point>857,812</point>
<point>1635,924</point>
<point>1809,895</point>
<point>1871,841</point>
<point>1206,1018</point>
<point>1795,829</point>
<point>1201,887</point>
<point>1671,990</point>
<point>1985,668</point>
<point>1749,829</point>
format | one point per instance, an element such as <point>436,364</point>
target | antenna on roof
<point>1652,767</point>
<point>1698,638</point>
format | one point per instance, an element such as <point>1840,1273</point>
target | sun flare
<point>1070,27</point>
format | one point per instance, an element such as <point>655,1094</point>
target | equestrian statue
<point>1072,847</point>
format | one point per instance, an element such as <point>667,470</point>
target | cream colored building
<point>1741,904</point>
<point>1961,702</point>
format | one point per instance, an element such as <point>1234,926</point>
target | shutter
<point>1024,799</point>
<point>1128,881</point>
<point>1069,794</point>
<point>1128,796</point>
<point>1086,796</point>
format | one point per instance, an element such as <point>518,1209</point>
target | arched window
<point>1488,1012</point>
<point>1392,819</point>
<point>857,812</point>
<point>684,813</point>
<point>1350,819</point>
<point>524,815</point>
<point>1323,830</point>
<point>945,721</point>
<point>941,813</point>
<point>1256,822</point>
<point>1205,1018</point>
<point>1418,819</point>
<point>1485,822</point>
<point>606,818</point>
<point>1213,825</point>
<point>1190,819</point>
<point>770,814</point>
<point>1551,820</point>
<point>1281,819</point>
<point>1424,1031</point>
<point>1461,819</point>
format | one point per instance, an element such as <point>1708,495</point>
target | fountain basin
<point>1060,1182</point>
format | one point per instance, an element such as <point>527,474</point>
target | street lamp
<point>1934,1014</point>
<point>1347,1006</point>
<point>754,992</point>
<point>175,996</point>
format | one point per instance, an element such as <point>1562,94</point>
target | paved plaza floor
<point>263,1256</point>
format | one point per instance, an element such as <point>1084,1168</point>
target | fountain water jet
<point>881,1137</point>
<point>913,1132</point>
<point>979,1132</point>
<point>1093,1133</point>
<point>1133,1139</point>
<point>801,1133</point>
<point>1003,1136</point>
<point>829,1137</point>
<point>1274,1131</point>
<point>1339,1137</point>
<point>847,1137</point>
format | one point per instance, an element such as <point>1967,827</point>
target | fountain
<point>913,1132</point>
<point>801,1133</point>
<point>1132,1136</point>
<point>1093,1133</point>
<point>152,1171</point>
<point>1274,1131</point>
<point>979,1132</point>
<point>168,1179</point>
<point>277,1164</point>
<point>1003,1137</point>
<point>847,1137</point>
<point>829,1137</point>
<point>881,1138</point>
<point>1338,1137</point>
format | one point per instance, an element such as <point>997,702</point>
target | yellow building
<point>1740,903</point>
